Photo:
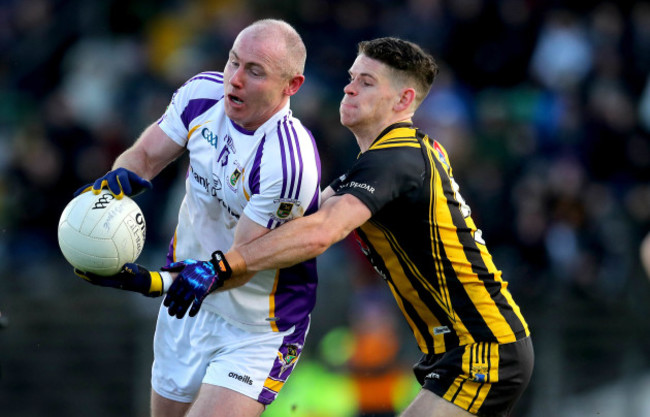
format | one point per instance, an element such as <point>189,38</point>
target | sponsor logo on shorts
<point>479,373</point>
<point>432,375</point>
<point>243,378</point>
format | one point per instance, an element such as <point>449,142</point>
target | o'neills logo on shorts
<point>245,379</point>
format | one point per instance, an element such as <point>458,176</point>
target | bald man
<point>253,166</point>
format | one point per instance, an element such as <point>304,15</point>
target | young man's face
<point>254,86</point>
<point>369,96</point>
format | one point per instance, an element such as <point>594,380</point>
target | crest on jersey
<point>284,210</point>
<point>441,154</point>
<point>288,359</point>
<point>234,177</point>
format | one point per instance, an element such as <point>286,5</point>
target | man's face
<point>369,96</point>
<point>254,86</point>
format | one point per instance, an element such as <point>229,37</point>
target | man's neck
<point>366,137</point>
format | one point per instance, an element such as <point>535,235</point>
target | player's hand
<point>196,279</point>
<point>119,182</point>
<point>132,277</point>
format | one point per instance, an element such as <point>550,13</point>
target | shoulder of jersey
<point>207,76</point>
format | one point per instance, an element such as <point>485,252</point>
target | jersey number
<point>465,210</point>
<point>223,156</point>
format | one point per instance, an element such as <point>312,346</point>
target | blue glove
<point>196,280</point>
<point>132,277</point>
<point>120,182</point>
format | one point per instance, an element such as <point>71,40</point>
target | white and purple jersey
<point>271,175</point>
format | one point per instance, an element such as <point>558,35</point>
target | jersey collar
<point>389,128</point>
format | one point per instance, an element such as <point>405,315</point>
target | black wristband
<point>221,265</point>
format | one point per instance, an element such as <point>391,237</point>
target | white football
<point>99,233</point>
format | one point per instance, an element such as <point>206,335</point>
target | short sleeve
<point>380,176</point>
<point>192,99</point>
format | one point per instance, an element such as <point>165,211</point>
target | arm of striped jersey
<point>300,239</point>
<point>246,232</point>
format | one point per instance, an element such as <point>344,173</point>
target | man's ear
<point>294,85</point>
<point>406,98</point>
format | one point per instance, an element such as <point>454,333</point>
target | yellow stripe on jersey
<point>273,384</point>
<point>422,343</point>
<point>189,134</point>
<point>457,254</point>
<point>274,326</point>
<point>397,138</point>
<point>435,243</point>
<point>435,188</point>
<point>243,187</point>
<point>174,244</point>
<point>397,144</point>
<point>390,251</point>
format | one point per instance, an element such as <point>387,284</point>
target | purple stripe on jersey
<point>313,205</point>
<point>170,251</point>
<point>284,161</point>
<point>254,177</point>
<point>195,108</point>
<point>241,129</point>
<point>295,295</point>
<point>316,154</point>
<point>214,73</point>
<point>300,162</point>
<point>293,158</point>
<point>216,77</point>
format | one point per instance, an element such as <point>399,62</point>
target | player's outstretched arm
<point>256,248</point>
<point>132,277</point>
<point>300,239</point>
<point>197,279</point>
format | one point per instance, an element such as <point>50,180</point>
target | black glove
<point>132,277</point>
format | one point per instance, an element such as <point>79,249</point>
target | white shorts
<point>208,349</point>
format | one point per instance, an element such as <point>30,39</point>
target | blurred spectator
<point>374,367</point>
<point>562,57</point>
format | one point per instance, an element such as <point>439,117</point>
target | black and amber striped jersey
<point>423,242</point>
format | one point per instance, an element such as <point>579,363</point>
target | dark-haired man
<point>415,228</point>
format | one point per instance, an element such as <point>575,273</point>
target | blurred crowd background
<point>543,106</point>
